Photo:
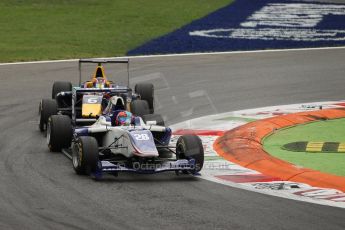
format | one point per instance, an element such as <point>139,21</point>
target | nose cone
<point>143,143</point>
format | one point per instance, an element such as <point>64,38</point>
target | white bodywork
<point>132,140</point>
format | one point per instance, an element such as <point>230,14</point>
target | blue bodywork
<point>178,165</point>
<point>142,140</point>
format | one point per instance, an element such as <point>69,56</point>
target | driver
<point>124,118</point>
<point>116,106</point>
<point>99,83</point>
<point>99,80</point>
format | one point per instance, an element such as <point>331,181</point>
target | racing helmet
<point>99,82</point>
<point>123,118</point>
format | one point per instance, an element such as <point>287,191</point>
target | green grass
<point>58,29</point>
<point>333,131</point>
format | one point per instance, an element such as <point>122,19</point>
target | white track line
<point>181,55</point>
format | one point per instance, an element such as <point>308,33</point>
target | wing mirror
<point>151,122</point>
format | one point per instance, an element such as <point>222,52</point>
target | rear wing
<point>100,61</point>
<point>103,90</point>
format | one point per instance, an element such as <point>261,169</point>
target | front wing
<point>170,165</point>
<point>148,168</point>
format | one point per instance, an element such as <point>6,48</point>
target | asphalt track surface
<point>39,189</point>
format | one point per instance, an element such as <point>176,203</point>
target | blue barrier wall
<point>260,24</point>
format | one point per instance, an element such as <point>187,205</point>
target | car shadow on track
<point>156,178</point>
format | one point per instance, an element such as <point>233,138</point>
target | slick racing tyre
<point>85,157</point>
<point>59,132</point>
<point>190,147</point>
<point>154,117</point>
<point>61,86</point>
<point>146,92</point>
<point>47,108</point>
<point>140,108</point>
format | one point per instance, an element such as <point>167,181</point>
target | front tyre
<point>59,132</point>
<point>85,156</point>
<point>190,147</point>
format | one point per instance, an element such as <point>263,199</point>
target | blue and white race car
<point>121,142</point>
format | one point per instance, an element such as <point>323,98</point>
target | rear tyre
<point>190,147</point>
<point>85,156</point>
<point>146,92</point>
<point>154,117</point>
<point>140,108</point>
<point>47,108</point>
<point>59,132</point>
<point>61,86</point>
